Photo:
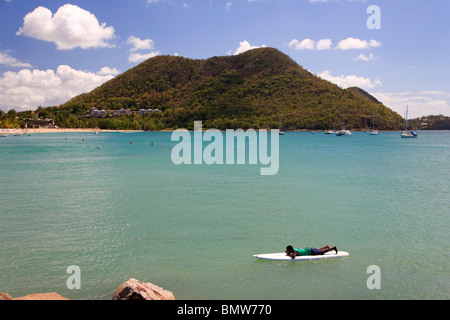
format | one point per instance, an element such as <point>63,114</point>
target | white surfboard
<point>283,257</point>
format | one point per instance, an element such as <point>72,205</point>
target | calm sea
<point>120,210</point>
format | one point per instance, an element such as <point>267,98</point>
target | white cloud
<point>139,57</point>
<point>309,44</point>
<point>107,71</point>
<point>306,44</point>
<point>419,104</point>
<point>27,89</point>
<point>353,43</point>
<point>436,92</point>
<point>139,45</point>
<point>346,81</point>
<point>363,57</point>
<point>70,27</point>
<point>245,46</point>
<point>326,44</point>
<point>10,61</point>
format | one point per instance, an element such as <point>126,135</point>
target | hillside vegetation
<point>249,90</point>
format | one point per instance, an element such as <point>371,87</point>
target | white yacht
<point>372,130</point>
<point>343,131</point>
<point>405,133</point>
<point>280,124</point>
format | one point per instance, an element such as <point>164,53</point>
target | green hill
<point>363,94</point>
<point>249,90</point>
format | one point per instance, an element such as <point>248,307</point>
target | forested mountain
<point>249,90</point>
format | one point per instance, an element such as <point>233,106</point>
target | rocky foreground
<point>129,290</point>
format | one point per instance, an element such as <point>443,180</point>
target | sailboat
<point>280,124</point>
<point>405,133</point>
<point>372,131</point>
<point>343,131</point>
<point>329,131</point>
<point>366,130</point>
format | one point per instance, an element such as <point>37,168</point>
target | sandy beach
<point>58,130</point>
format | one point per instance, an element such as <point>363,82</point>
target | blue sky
<point>53,50</point>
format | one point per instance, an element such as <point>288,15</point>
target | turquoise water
<point>119,210</point>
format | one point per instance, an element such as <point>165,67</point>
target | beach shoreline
<point>80,130</point>
<point>59,130</point>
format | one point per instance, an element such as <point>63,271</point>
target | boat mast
<point>406,119</point>
<point>281,120</point>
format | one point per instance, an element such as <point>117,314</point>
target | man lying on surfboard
<point>308,251</point>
